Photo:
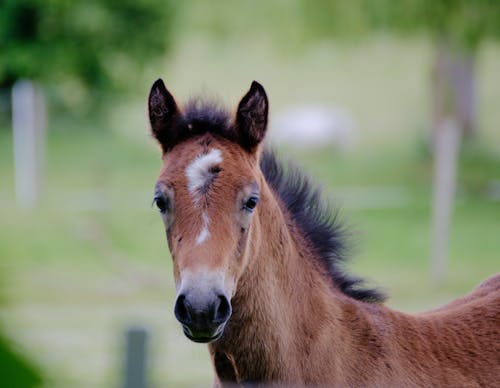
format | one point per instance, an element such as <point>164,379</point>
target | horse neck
<point>290,324</point>
<point>279,292</point>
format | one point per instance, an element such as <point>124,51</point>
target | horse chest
<point>252,361</point>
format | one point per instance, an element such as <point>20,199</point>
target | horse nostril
<point>181,310</point>
<point>222,309</point>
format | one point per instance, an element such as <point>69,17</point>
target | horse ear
<point>251,117</point>
<point>162,110</point>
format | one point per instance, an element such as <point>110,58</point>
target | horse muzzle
<point>202,313</point>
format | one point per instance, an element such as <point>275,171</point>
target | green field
<point>92,260</point>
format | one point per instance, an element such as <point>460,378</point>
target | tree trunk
<point>465,87</point>
<point>453,89</point>
<point>453,113</point>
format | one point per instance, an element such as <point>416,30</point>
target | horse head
<point>207,194</point>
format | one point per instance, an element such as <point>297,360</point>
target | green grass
<point>92,259</point>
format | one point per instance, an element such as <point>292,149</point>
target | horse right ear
<point>162,112</point>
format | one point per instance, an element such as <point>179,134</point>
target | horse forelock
<point>201,116</point>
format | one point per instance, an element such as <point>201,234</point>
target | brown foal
<point>258,270</point>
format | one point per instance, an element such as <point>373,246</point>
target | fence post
<point>136,359</point>
<point>446,149</point>
<point>28,124</point>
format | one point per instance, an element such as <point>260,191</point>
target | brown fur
<point>290,325</point>
<point>301,331</point>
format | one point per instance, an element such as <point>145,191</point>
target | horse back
<point>490,288</point>
<point>465,334</point>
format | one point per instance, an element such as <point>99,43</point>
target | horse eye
<point>161,203</point>
<point>251,203</point>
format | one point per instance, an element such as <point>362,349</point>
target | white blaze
<point>198,174</point>
<point>205,233</point>
<point>198,171</point>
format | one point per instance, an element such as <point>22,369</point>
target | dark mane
<point>318,224</point>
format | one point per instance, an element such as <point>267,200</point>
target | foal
<point>258,270</point>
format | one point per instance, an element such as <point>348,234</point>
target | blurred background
<point>392,106</point>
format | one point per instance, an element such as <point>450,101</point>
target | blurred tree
<point>457,28</point>
<point>87,44</point>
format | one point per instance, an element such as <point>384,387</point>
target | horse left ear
<point>251,117</point>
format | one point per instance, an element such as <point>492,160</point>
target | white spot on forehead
<point>205,233</point>
<point>198,171</point>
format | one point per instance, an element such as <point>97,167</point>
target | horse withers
<point>258,268</point>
